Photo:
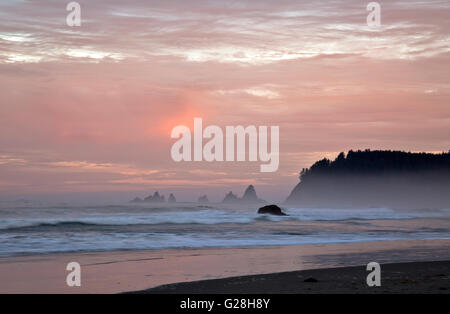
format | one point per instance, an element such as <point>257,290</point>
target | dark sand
<point>414,277</point>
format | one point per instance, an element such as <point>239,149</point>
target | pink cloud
<point>109,92</point>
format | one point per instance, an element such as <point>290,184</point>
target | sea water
<point>28,228</point>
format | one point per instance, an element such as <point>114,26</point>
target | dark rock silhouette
<point>230,198</point>
<point>249,197</point>
<point>172,198</point>
<point>203,199</point>
<point>137,200</point>
<point>311,279</point>
<point>156,198</point>
<point>368,178</point>
<point>272,210</point>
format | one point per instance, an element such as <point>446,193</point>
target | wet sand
<point>415,277</point>
<point>121,271</point>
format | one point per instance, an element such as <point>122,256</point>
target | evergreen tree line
<point>378,162</point>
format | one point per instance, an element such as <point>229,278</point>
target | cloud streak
<point>94,105</point>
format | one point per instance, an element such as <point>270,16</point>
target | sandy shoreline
<point>413,277</point>
<point>121,271</point>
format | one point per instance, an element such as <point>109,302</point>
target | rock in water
<point>250,195</point>
<point>172,198</point>
<point>272,210</point>
<point>203,199</point>
<point>137,200</point>
<point>156,198</point>
<point>230,198</point>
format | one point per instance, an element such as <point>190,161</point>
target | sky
<point>88,110</point>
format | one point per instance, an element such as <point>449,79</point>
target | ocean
<point>28,228</point>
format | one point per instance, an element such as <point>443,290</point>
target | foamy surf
<point>46,229</point>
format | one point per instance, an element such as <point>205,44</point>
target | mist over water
<point>36,228</point>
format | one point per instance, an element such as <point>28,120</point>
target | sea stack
<point>250,196</point>
<point>203,199</point>
<point>172,198</point>
<point>156,198</point>
<point>137,200</point>
<point>230,198</point>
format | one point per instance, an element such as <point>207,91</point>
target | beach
<point>411,278</point>
<point>135,247</point>
<point>124,271</point>
<point>229,147</point>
